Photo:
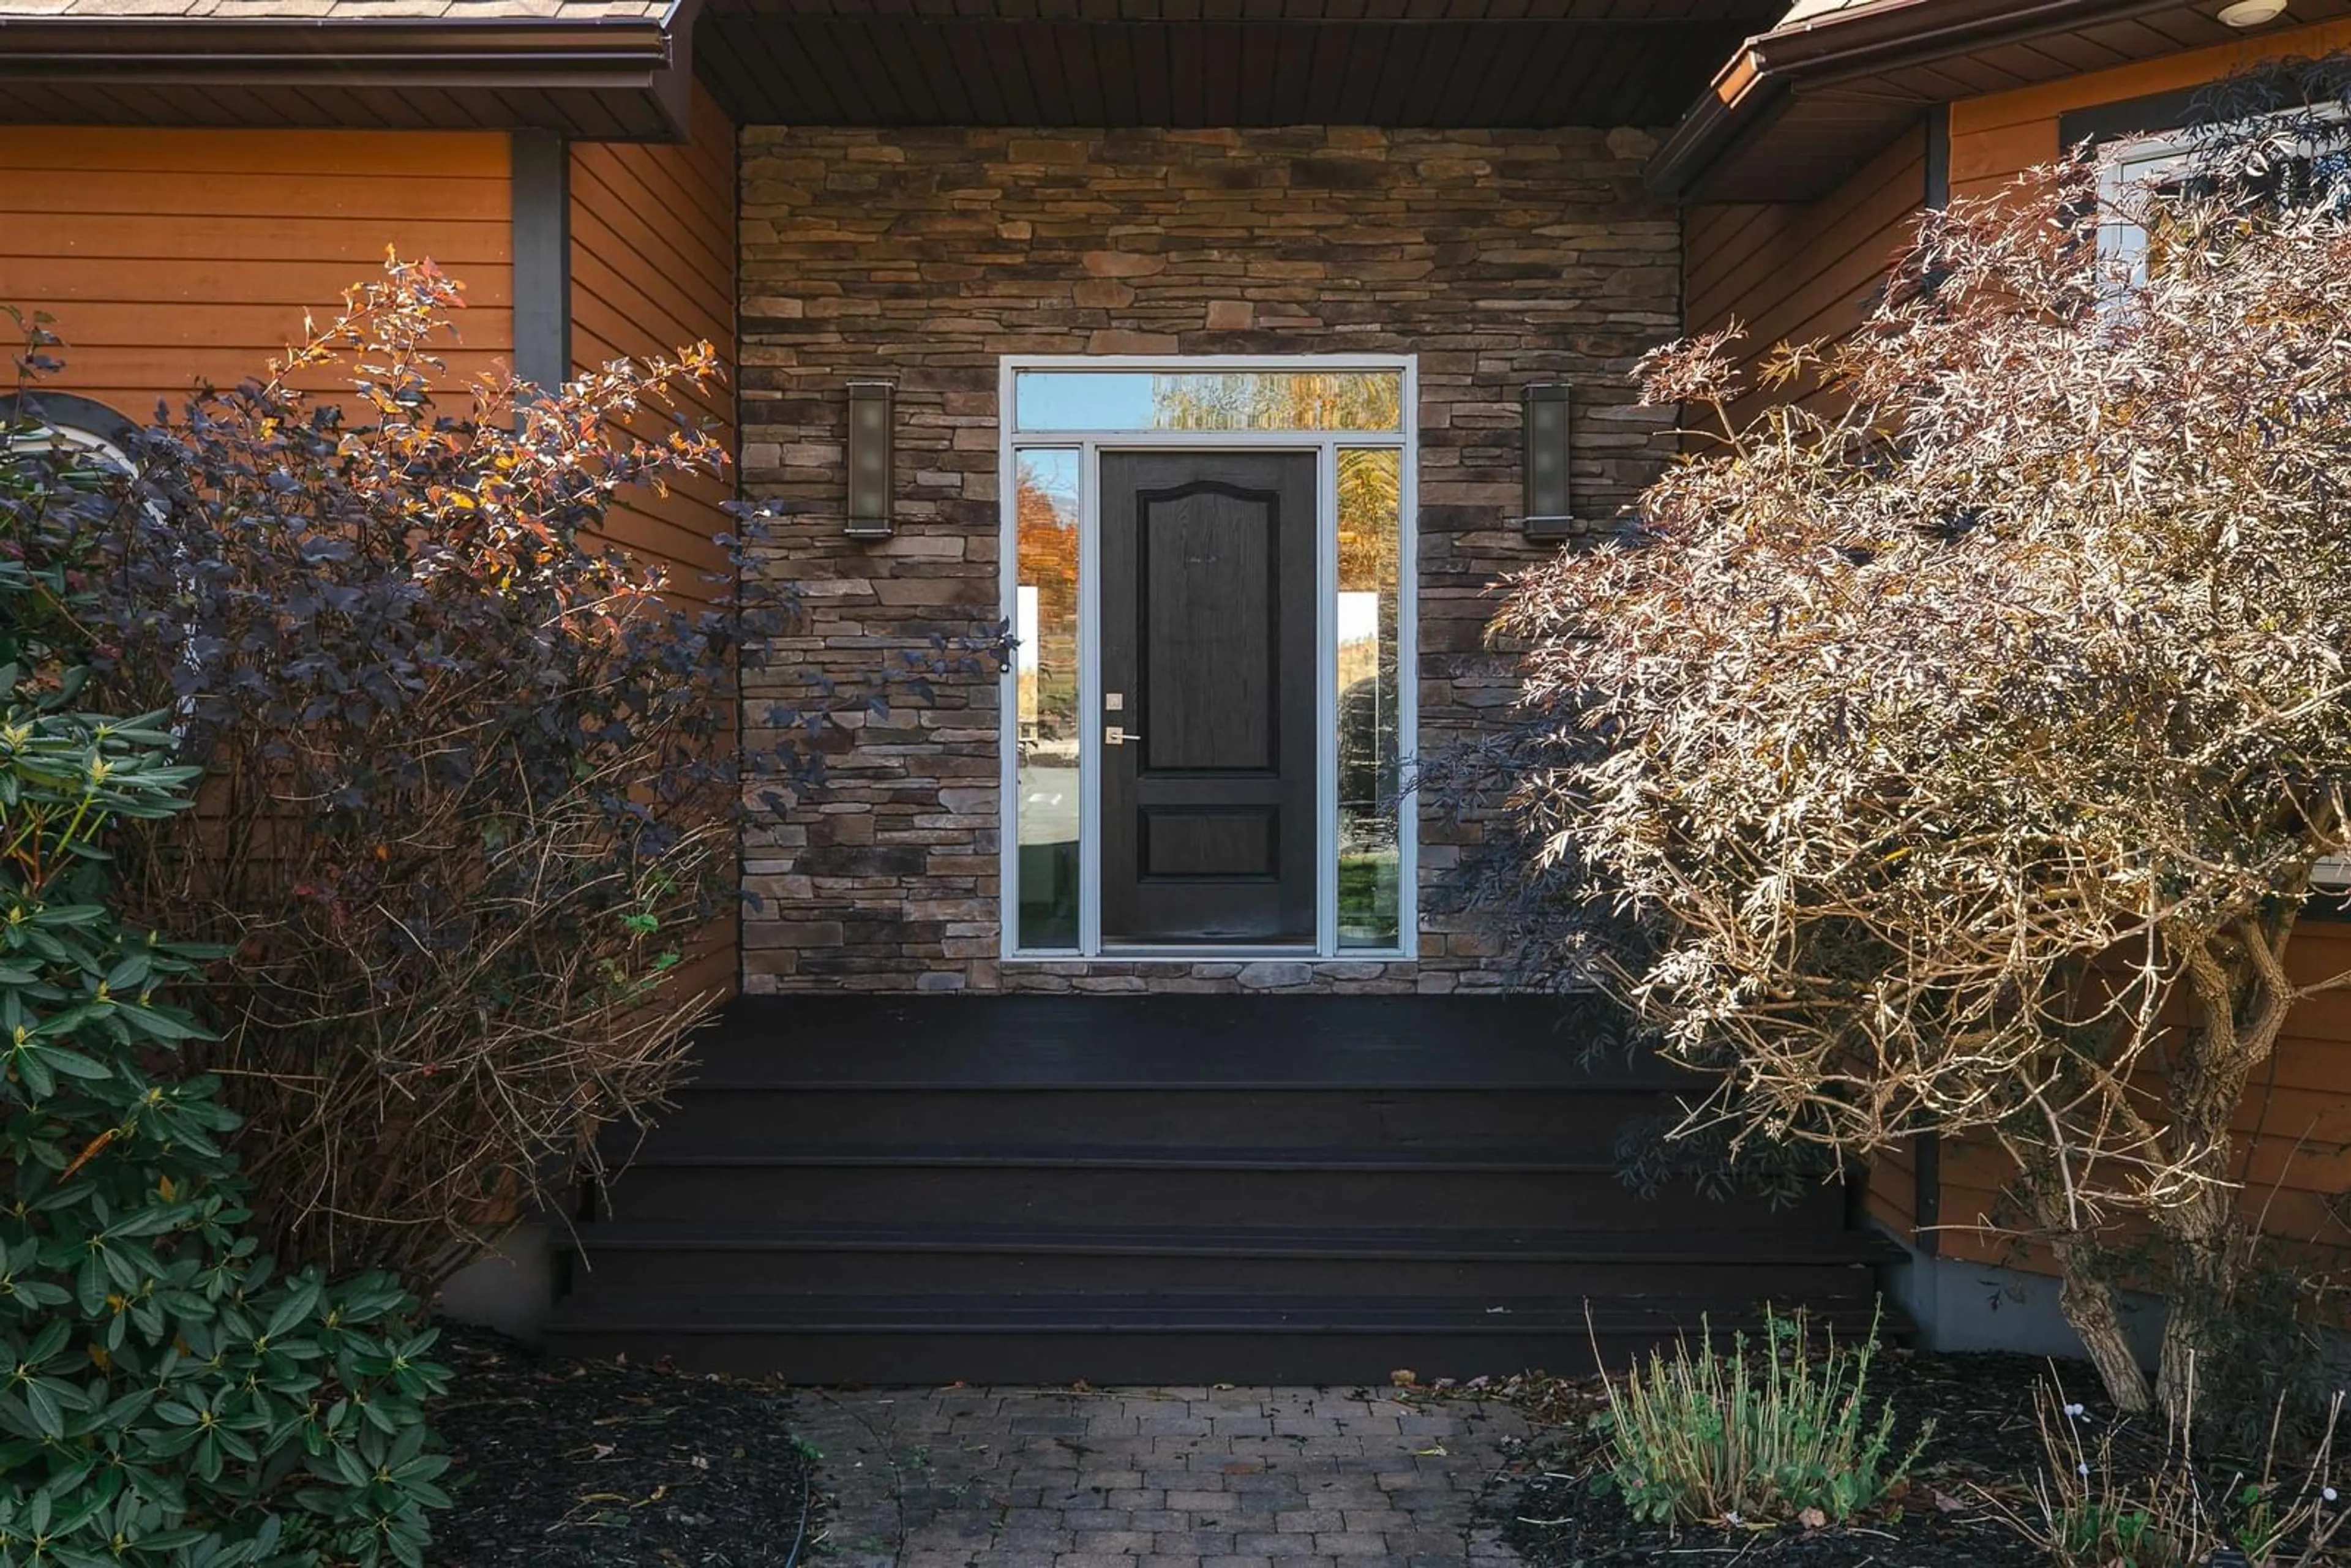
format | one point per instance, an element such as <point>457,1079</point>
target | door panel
<point>1241,841</point>
<point>1208,627</point>
<point>1209,645</point>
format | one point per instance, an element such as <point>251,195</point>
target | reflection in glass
<point>1370,569</point>
<point>1045,674</point>
<point>1219,400</point>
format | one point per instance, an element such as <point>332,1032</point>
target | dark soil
<point>1984,1440</point>
<point>603,1464</point>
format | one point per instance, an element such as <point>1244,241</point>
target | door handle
<point>1115,735</point>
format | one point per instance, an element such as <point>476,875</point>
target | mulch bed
<point>1984,1439</point>
<point>603,1465</point>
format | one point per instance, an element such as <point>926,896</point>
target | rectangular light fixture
<point>871,499</point>
<point>1547,503</point>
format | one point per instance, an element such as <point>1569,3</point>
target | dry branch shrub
<point>1953,752</point>
<point>472,784</point>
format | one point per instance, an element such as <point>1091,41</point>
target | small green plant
<point>1766,1432</point>
<point>2093,1511</point>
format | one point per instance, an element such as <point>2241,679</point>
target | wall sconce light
<point>1548,502</point>
<point>871,499</point>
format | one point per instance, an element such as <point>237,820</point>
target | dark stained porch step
<point>897,1190</point>
<point>1311,1042</point>
<point>1079,1259</point>
<point>1145,1339</point>
<point>1210,1187</point>
<point>724,1117</point>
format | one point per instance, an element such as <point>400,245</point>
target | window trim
<point>1326,445</point>
<point>2135,160</point>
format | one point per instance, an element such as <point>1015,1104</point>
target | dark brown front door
<point>1208,669</point>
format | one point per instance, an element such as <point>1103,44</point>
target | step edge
<point>1177,1086</point>
<point>1268,1325</point>
<point>1602,1246</point>
<point>1081,1158</point>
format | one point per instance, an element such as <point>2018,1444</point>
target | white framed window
<point>2312,153</point>
<point>1074,744</point>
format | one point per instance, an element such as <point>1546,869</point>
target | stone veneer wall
<point>920,257</point>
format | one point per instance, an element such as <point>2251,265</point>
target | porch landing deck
<point>1172,1189</point>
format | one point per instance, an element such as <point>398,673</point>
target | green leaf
<point>74,1064</point>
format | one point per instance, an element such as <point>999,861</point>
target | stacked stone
<point>1499,258</point>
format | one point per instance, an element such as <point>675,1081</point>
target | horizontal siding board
<point>131,379</point>
<point>1804,303</point>
<point>442,155</point>
<point>129,280</point>
<point>246,239</point>
<point>260,329</point>
<point>52,195</point>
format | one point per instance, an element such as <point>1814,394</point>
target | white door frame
<point>1325,445</point>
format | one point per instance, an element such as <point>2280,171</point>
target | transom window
<point>1207,717</point>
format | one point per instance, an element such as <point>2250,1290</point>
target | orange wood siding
<point>653,270</point>
<point>1892,1193</point>
<point>2294,1130</point>
<point>170,256</point>
<point>1801,273</point>
<point>1998,137</point>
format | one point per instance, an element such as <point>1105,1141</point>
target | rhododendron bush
<point>1949,747</point>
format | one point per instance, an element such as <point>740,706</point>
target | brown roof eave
<point>639,57</point>
<point>1748,93</point>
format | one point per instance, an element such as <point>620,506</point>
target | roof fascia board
<point>1750,90</point>
<point>1896,33</point>
<point>625,56</point>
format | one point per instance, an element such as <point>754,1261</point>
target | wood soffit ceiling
<point>1187,63</point>
<point>602,70</point>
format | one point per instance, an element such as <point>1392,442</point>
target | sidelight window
<point>1209,719</point>
<point>1045,700</point>
<point>1371,865</point>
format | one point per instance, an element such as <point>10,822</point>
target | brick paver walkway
<point>1173,1477</point>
